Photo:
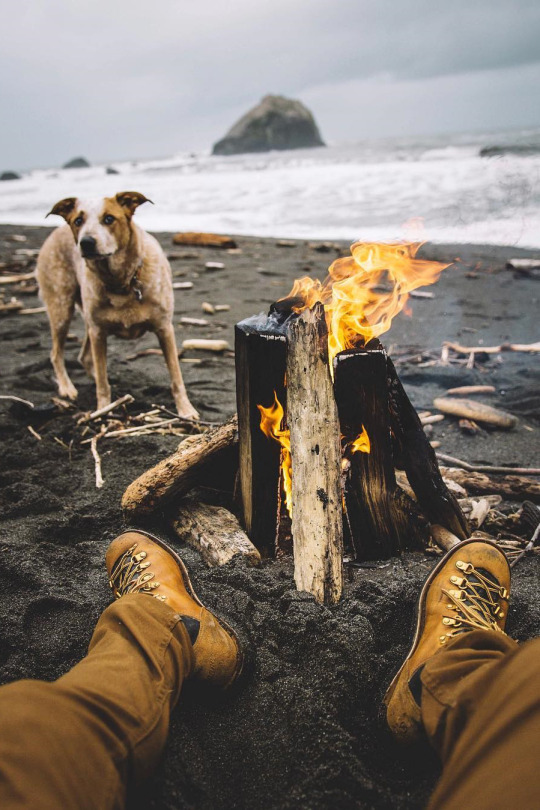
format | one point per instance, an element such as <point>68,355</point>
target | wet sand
<point>305,727</point>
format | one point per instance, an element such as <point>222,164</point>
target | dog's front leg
<point>98,344</point>
<point>167,341</point>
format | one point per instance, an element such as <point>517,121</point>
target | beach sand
<point>305,727</point>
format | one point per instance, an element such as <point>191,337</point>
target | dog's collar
<point>133,286</point>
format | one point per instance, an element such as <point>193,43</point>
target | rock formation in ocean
<point>521,150</point>
<point>77,163</point>
<point>275,123</point>
<point>10,176</point>
<point>111,170</point>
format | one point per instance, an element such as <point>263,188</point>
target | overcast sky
<point>113,79</point>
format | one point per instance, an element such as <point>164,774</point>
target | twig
<point>432,418</point>
<point>32,311</point>
<point>185,419</point>
<point>18,399</point>
<point>463,390</point>
<point>97,461</point>
<point>34,433</point>
<point>485,468</point>
<point>138,428</point>
<point>14,279</point>
<point>504,347</point>
<point>528,547</point>
<point>127,398</point>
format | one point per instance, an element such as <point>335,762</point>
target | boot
<point>138,562</point>
<point>467,590</point>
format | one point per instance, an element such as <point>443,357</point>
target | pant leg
<point>481,711</point>
<point>74,744</point>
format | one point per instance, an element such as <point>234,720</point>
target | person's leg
<point>77,742</point>
<point>480,708</point>
<point>73,743</point>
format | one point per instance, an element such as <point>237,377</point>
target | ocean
<point>435,188</point>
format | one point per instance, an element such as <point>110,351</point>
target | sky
<point>119,79</point>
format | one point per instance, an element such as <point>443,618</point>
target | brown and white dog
<point>119,276</point>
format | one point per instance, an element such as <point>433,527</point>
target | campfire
<point>324,422</point>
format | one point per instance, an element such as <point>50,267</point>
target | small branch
<point>18,399</point>
<point>14,279</point>
<point>34,433</point>
<point>528,547</point>
<point>464,390</point>
<point>97,462</point>
<point>485,468</point>
<point>126,399</point>
<point>504,347</point>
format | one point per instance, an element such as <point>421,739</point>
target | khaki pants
<point>77,743</point>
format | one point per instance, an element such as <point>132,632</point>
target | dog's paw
<point>68,391</point>
<point>187,411</point>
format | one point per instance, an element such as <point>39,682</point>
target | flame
<point>362,443</point>
<point>271,419</point>
<point>365,291</point>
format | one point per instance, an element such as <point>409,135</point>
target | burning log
<point>316,501</point>
<point>197,458</point>
<point>215,533</point>
<point>380,517</point>
<point>260,352</point>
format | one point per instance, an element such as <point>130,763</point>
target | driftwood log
<point>477,411</point>
<point>312,417</point>
<point>215,533</point>
<point>212,240</point>
<point>191,464</point>
<point>511,487</point>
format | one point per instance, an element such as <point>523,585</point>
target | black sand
<point>305,728</point>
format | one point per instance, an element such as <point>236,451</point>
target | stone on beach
<point>77,163</point>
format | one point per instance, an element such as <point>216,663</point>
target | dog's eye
<point>78,222</point>
<point>108,219</point>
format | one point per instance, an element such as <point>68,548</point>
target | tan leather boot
<point>467,590</point>
<point>138,562</point>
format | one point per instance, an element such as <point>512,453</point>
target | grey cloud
<point>127,78</point>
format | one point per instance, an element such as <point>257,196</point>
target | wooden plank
<point>260,356</point>
<point>382,519</point>
<point>317,523</point>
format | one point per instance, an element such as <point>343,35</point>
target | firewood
<point>380,519</point>
<point>211,240</point>
<point>177,474</point>
<point>511,487</point>
<point>444,539</point>
<point>476,411</point>
<point>416,456</point>
<point>215,533</point>
<point>312,417</point>
<point>260,357</point>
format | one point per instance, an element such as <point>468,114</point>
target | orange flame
<point>365,291</point>
<point>362,443</point>
<point>271,419</point>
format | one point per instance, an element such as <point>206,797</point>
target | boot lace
<point>130,574</point>
<point>474,601</point>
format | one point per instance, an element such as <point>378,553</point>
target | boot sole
<point>191,591</point>
<point>421,605</point>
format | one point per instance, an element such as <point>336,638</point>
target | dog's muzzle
<point>88,247</point>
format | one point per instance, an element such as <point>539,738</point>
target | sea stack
<point>275,123</point>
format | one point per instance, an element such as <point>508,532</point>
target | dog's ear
<point>130,200</point>
<point>63,208</point>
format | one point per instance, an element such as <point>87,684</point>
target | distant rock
<point>521,150</point>
<point>10,176</point>
<point>77,163</point>
<point>111,170</point>
<point>275,123</point>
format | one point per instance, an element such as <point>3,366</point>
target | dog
<point>120,278</point>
